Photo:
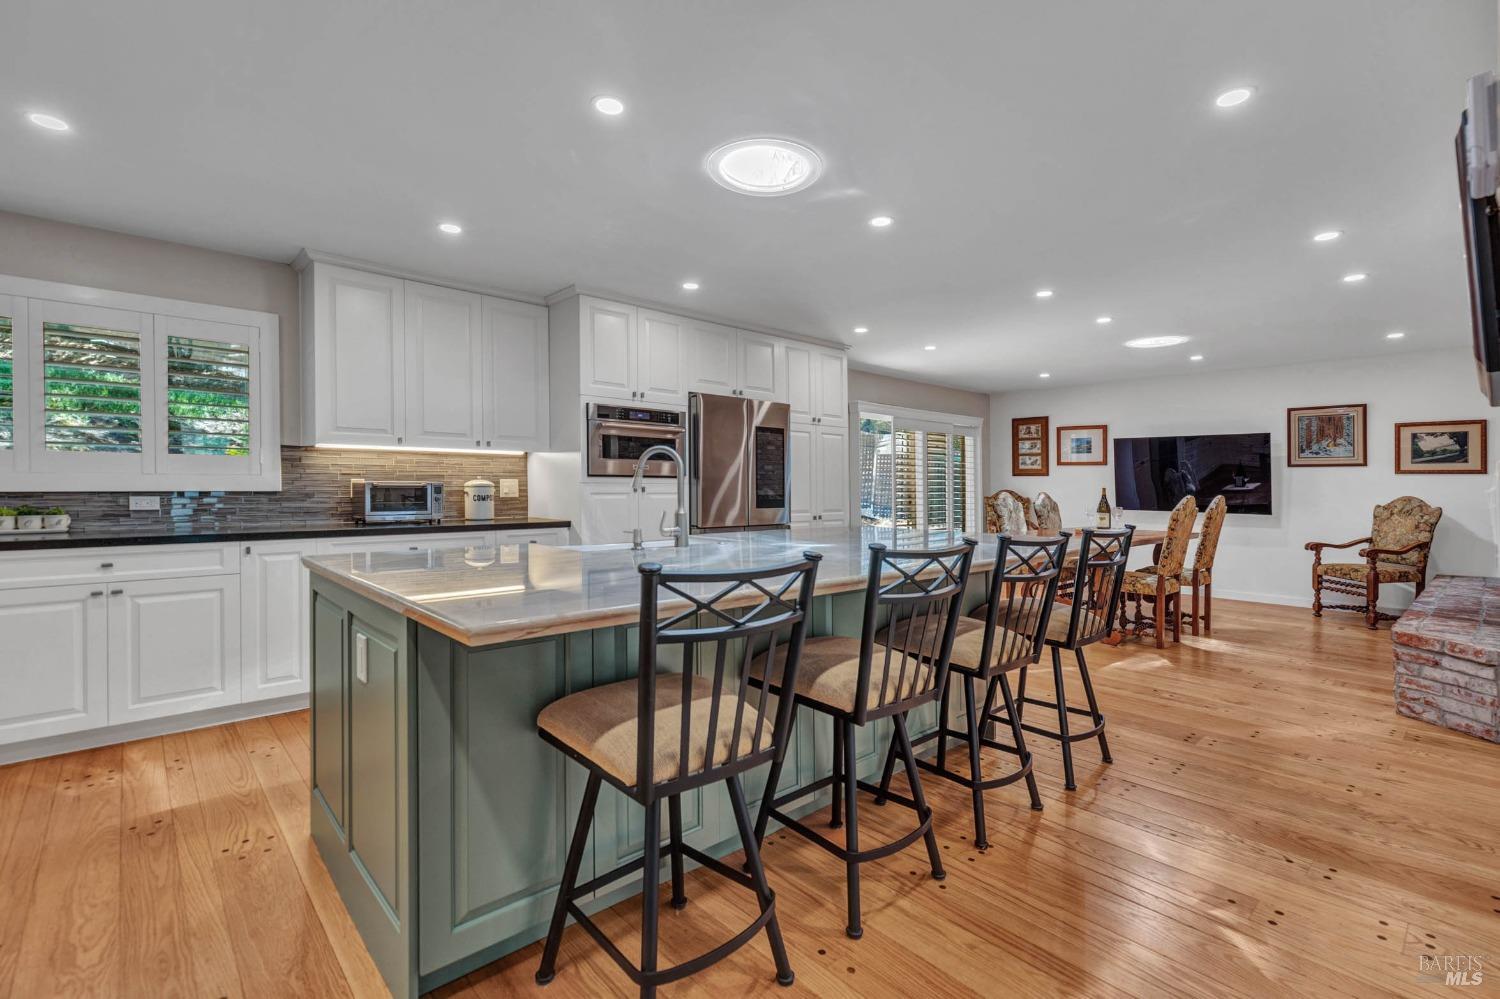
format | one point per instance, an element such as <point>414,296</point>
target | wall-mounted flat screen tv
<point>1153,473</point>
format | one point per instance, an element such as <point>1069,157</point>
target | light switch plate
<point>145,504</point>
<point>362,658</point>
<point>508,489</point>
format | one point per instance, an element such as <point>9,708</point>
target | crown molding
<point>308,256</point>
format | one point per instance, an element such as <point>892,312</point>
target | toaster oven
<point>379,501</point>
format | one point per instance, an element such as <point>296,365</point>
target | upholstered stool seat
<point>829,675</point>
<point>1386,572</point>
<point>601,725</point>
<point>970,639</point>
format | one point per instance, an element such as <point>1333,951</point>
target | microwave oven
<point>378,501</point>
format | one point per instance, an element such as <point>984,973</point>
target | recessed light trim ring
<point>764,167</point>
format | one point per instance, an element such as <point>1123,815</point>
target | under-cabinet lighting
<point>416,450</point>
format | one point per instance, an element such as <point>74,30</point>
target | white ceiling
<point>1072,145</point>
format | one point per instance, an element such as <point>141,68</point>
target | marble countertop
<point>486,596</point>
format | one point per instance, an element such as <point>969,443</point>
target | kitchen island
<point>441,815</point>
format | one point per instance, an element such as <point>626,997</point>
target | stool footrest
<point>665,976</point>
<point>859,856</point>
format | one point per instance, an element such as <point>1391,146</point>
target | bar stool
<point>1003,634</point>
<point>657,740</point>
<point>1096,601</point>
<point>839,678</point>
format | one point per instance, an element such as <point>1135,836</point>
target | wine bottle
<point>1103,509</point>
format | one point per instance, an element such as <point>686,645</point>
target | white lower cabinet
<point>612,510</point>
<point>55,661</point>
<point>274,591</point>
<point>820,474</point>
<point>174,646</point>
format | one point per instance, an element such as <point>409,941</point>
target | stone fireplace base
<point>1447,653</point>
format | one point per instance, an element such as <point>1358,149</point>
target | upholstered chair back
<point>1208,534</point>
<point>1028,516</point>
<point>1048,514</point>
<point>1179,532</point>
<point>1010,514</point>
<point>1402,522</point>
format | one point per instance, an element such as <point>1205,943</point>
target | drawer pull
<point>97,593</point>
<point>106,565</point>
<point>115,593</point>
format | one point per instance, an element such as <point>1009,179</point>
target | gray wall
<point>74,254</point>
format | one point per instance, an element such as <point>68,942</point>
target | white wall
<point>1262,558</point>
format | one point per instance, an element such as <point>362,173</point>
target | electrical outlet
<point>362,658</point>
<point>145,504</point>
<point>508,489</point>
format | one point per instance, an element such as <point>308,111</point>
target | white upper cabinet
<point>515,395</point>
<point>608,349</point>
<point>444,367</point>
<point>659,357</point>
<point>817,384</point>
<point>800,382</point>
<point>401,363</point>
<point>713,358</point>
<point>761,363</point>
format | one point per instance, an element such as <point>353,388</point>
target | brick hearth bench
<point>1447,648</point>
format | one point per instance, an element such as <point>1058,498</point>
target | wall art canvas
<point>1083,445</point>
<point>1453,446</point>
<point>1326,435</point>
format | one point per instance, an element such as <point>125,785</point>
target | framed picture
<point>1453,446</point>
<point>1028,445</point>
<point>1083,445</point>
<point>1326,435</point>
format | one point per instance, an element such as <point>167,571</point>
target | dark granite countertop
<point>158,533</point>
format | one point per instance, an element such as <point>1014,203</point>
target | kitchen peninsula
<point>442,816</point>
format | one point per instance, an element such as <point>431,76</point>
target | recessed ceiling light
<point>1105,320</point>
<point>1150,342</point>
<point>1328,235</point>
<point>690,286</point>
<point>609,105</point>
<point>1394,335</point>
<point>881,221</point>
<point>451,228</point>
<point>1355,278</point>
<point>1044,293</point>
<point>930,346</point>
<point>1045,374</point>
<point>50,122</point>
<point>1235,97</point>
<point>764,168</point>
<point>1196,357</point>
<point>861,329</point>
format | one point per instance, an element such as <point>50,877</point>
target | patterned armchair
<point>1048,515</point>
<point>1008,512</point>
<point>1399,543</point>
<point>1162,583</point>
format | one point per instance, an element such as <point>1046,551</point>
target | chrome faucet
<point>680,532</point>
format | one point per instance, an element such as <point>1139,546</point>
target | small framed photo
<point>1452,446</point>
<point>1083,445</point>
<point>1326,435</point>
<point>1028,445</point>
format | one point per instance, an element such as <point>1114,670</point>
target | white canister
<point>479,500</point>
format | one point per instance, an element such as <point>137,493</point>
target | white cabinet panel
<point>174,646</point>
<point>713,358</point>
<point>444,367</point>
<point>801,388</point>
<point>543,536</point>
<point>760,364</point>
<point>610,511</point>
<point>607,349</point>
<point>800,456</point>
<point>659,364</point>
<point>411,542</point>
<point>515,394</point>
<point>274,594</point>
<point>359,357</point>
<point>96,565</point>
<point>831,468</point>
<point>54,661</point>
<point>832,384</point>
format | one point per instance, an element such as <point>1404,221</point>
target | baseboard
<point>1282,599</point>
<point>53,745</point>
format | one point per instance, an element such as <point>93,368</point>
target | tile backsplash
<point>314,488</point>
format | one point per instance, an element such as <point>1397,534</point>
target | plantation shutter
<point>208,397</point>
<point>918,471</point>
<point>7,384</point>
<point>91,389</point>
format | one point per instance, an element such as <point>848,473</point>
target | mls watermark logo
<point>1450,969</point>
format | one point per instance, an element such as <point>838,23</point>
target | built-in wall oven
<point>619,435</point>
<point>741,475</point>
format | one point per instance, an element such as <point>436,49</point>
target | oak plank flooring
<point>1270,826</point>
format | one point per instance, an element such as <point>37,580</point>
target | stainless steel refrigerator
<point>741,476</point>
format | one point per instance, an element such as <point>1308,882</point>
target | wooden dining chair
<point>1161,583</point>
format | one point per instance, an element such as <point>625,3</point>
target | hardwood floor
<point>1270,826</point>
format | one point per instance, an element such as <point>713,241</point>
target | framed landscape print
<point>1454,446</point>
<point>1326,435</point>
<point>1028,446</point>
<point>1083,445</point>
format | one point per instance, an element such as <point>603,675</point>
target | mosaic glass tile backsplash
<point>314,489</point>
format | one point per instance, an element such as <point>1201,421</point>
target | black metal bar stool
<point>1003,634</point>
<point>1098,584</point>
<point>660,735</point>
<point>838,677</point>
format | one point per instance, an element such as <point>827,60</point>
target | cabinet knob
<point>476,444</point>
<point>399,440</point>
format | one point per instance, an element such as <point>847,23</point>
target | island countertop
<point>486,596</point>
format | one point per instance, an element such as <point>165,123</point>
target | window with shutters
<point>7,385</point>
<point>208,397</point>
<point>91,389</point>
<point>919,470</point>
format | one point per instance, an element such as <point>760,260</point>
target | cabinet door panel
<point>359,350</point>
<point>832,471</point>
<point>760,364</point>
<point>55,661</point>
<point>174,646</point>
<point>274,589</point>
<point>515,341</point>
<point>714,359</point>
<point>443,367</point>
<point>832,395</point>
<point>608,349</point>
<point>659,369</point>
<point>800,455</point>
<point>329,706</point>
<point>375,698</point>
<point>801,387</point>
